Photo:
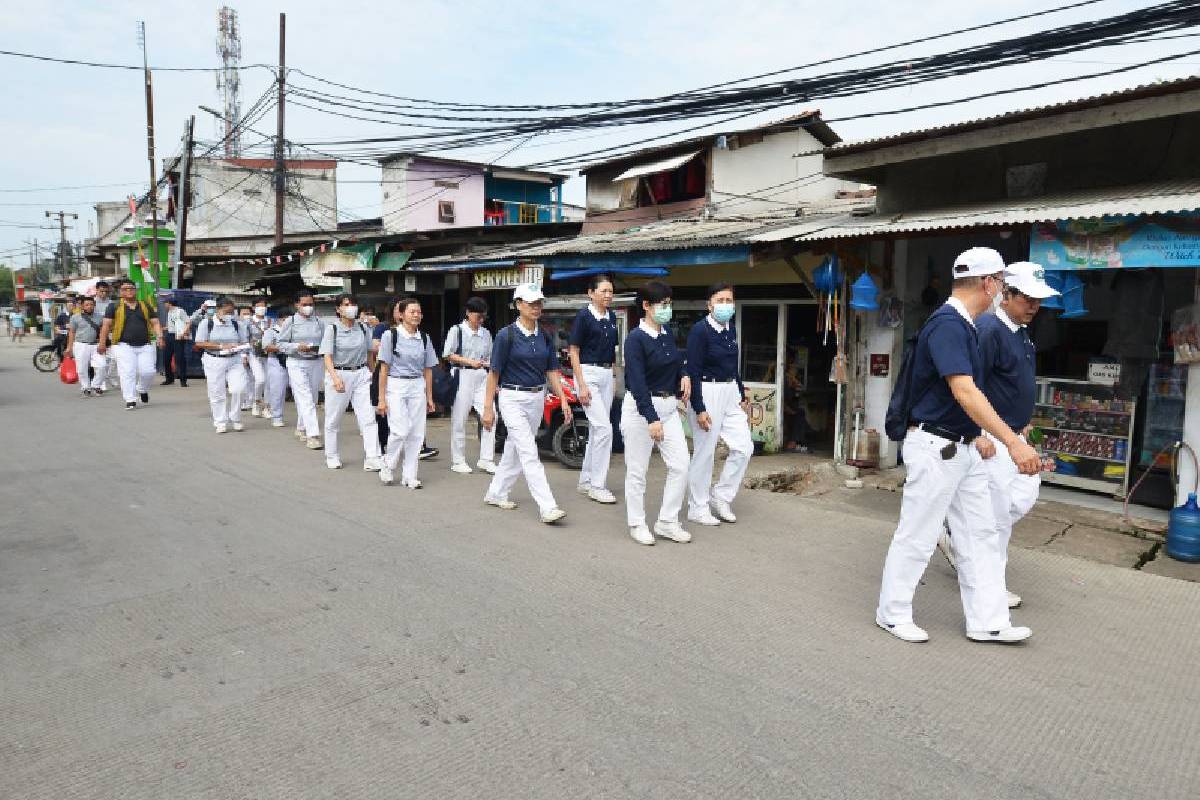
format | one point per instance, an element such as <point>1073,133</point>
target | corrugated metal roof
<point>481,254</point>
<point>1034,112</point>
<point>675,234</point>
<point>1156,198</point>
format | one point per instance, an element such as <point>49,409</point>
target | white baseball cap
<point>529,292</point>
<point>977,261</point>
<point>1029,279</point>
<point>210,303</point>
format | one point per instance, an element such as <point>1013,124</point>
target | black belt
<point>352,369</point>
<point>516,388</point>
<point>709,379</point>
<point>597,364</point>
<point>406,377</point>
<point>662,394</point>
<point>221,355</point>
<point>304,357</point>
<point>944,433</point>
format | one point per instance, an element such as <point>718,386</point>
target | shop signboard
<point>1162,240</point>
<point>507,277</point>
<point>314,268</point>
<point>1103,372</point>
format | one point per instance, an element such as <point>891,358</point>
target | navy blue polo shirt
<point>595,338</point>
<point>652,364</point>
<point>1008,370</point>
<point>711,355</point>
<point>526,360</point>
<point>948,345</point>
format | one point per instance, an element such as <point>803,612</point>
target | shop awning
<point>464,265</point>
<point>657,166</point>
<point>392,261</point>
<point>647,259</point>
<point>565,274</point>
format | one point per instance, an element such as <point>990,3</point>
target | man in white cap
<point>1009,366</point>
<point>946,476</point>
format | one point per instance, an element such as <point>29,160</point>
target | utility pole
<point>181,208</point>
<point>150,154</point>
<point>280,185</point>
<point>63,250</point>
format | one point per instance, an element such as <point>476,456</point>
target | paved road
<point>183,616</point>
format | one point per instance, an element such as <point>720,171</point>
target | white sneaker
<point>461,468</point>
<point>413,484</point>
<point>1010,635</point>
<point>705,517</point>
<point>905,631</point>
<point>300,434</point>
<point>641,534</point>
<point>584,489</point>
<point>277,423</point>
<point>237,426</point>
<point>256,410</point>
<point>314,443</point>
<point>601,496</point>
<point>672,530</point>
<point>333,463</point>
<point>487,466</point>
<point>722,511</point>
<point>1014,600</point>
<point>553,515</point>
<point>220,427</point>
<point>944,548</point>
<point>386,477</point>
<point>372,465</point>
<point>500,502</point>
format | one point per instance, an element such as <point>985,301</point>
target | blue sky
<point>70,125</point>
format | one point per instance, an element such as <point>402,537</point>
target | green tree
<point>6,286</point>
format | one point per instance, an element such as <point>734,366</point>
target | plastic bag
<point>67,372</point>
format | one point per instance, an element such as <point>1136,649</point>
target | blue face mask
<point>662,314</point>
<point>722,312</point>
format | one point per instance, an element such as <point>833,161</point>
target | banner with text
<point>1164,240</point>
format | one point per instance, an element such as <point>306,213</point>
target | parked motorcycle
<point>49,356</point>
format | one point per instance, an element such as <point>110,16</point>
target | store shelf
<point>1077,430</point>
<point>1100,400</point>
<point>1115,488</point>
<point>1085,409</point>
<point>1081,455</point>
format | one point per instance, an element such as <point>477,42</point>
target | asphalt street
<point>187,615</point>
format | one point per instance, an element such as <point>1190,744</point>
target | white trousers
<point>85,355</point>
<point>1013,496</point>
<point>729,422</point>
<point>256,383</point>
<point>639,446</point>
<point>934,490</point>
<point>276,389</point>
<point>599,381</point>
<point>305,376</point>
<point>135,367</point>
<point>471,384</point>
<point>224,374</point>
<point>406,423</point>
<point>522,415</point>
<point>357,396</point>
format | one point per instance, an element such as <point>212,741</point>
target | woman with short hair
<point>469,349</point>
<point>346,348</point>
<point>593,352</point>
<point>300,342</point>
<point>654,375</point>
<point>222,340</point>
<point>406,358</point>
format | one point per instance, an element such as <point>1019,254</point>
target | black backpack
<point>895,424</point>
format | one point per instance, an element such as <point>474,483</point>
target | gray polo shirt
<point>302,330</point>
<point>87,331</point>
<point>408,358</point>
<point>213,330</point>
<point>349,347</point>
<point>475,344</point>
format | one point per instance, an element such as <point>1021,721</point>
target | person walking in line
<point>945,410</point>
<point>256,359</point>
<point>406,358</point>
<point>718,411</point>
<point>132,323</point>
<point>83,334</point>
<point>275,394</point>
<point>223,340</point>
<point>1010,385</point>
<point>593,347</point>
<point>523,361</point>
<point>300,342</point>
<point>346,348</point>
<point>103,301</point>
<point>381,422</point>
<point>175,351</point>
<point>654,376</point>
<point>469,349</point>
<point>17,319</point>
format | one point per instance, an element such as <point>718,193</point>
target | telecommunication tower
<point>229,48</point>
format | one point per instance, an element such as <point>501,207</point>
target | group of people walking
<point>103,335</point>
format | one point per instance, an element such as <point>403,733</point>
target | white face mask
<point>246,317</point>
<point>350,312</point>
<point>305,311</point>
<point>260,311</point>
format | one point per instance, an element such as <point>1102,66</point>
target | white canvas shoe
<point>333,463</point>
<point>722,511</point>
<point>277,423</point>
<point>372,465</point>
<point>386,477</point>
<point>1014,600</point>
<point>314,443</point>
<point>641,534</point>
<point>237,426</point>
<point>703,518</point>
<point>461,468</point>
<point>602,496</point>
<point>500,502</point>
<point>220,427</point>
<point>487,466</point>
<point>553,515</point>
<point>413,484</point>
<point>905,631</point>
<point>1010,635</point>
<point>672,530</point>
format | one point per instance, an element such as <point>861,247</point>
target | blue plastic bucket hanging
<point>827,277</point>
<point>1072,297</point>
<point>1054,279</point>
<point>864,294</point>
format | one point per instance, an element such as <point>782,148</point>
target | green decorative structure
<point>159,258</point>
